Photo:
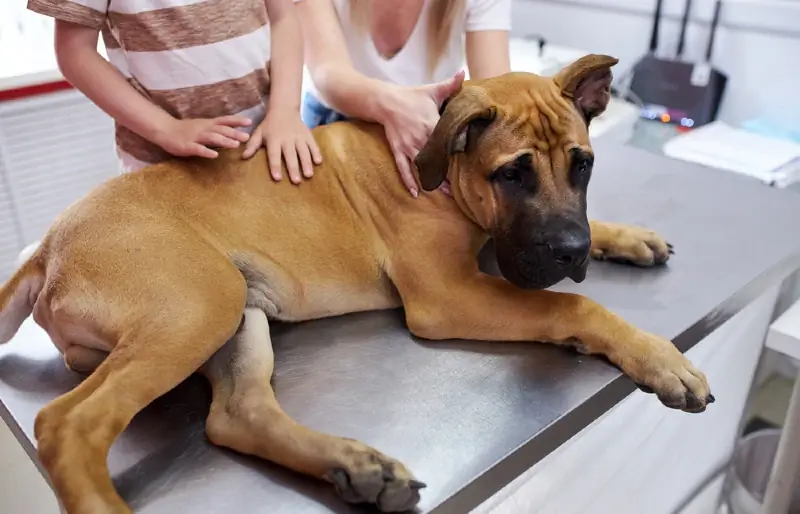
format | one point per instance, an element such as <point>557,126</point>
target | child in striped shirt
<point>188,76</point>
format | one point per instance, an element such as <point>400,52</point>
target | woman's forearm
<point>90,73</point>
<point>351,93</point>
<point>488,54</point>
<point>338,83</point>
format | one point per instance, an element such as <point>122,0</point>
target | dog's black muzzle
<point>546,258</point>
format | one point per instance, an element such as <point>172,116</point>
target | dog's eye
<point>584,166</point>
<point>581,170</point>
<point>518,174</point>
<point>511,173</point>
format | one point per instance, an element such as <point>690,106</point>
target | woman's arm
<point>488,54</point>
<point>408,115</point>
<point>340,85</point>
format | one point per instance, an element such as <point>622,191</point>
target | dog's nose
<point>571,249</point>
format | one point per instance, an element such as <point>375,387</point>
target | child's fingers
<point>218,140</point>
<point>292,166</point>
<point>316,155</point>
<point>304,153</point>
<point>255,142</point>
<point>233,121</point>
<point>274,160</point>
<point>201,151</point>
<point>232,133</point>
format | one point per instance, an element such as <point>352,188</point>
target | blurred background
<point>737,110</point>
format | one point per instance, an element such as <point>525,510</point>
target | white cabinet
<point>54,148</point>
<point>10,232</point>
<point>642,458</point>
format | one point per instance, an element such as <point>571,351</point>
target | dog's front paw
<point>367,476</point>
<point>658,367</point>
<point>630,245</point>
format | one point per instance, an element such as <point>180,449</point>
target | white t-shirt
<point>410,66</point>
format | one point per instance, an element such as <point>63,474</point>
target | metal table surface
<point>466,417</point>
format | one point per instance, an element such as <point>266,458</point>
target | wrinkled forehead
<point>532,109</point>
<point>533,116</point>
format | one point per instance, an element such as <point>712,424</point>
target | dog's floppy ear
<point>587,82</point>
<point>464,118</point>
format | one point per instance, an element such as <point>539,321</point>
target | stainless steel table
<point>466,417</point>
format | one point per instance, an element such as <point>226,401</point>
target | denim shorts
<point>314,113</point>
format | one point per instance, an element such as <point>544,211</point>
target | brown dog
<point>144,281</point>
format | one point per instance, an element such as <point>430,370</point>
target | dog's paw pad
<point>661,369</point>
<point>370,477</point>
<point>684,388</point>
<point>634,246</point>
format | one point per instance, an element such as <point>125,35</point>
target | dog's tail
<point>18,295</point>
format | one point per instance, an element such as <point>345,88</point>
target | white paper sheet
<point>718,145</point>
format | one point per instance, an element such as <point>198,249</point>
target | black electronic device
<point>678,91</point>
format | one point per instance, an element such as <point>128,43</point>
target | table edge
<point>535,449</point>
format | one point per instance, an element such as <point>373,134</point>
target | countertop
<point>466,417</point>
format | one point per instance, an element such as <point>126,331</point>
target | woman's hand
<point>409,116</point>
<point>285,135</point>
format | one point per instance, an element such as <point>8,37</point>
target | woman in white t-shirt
<point>395,61</point>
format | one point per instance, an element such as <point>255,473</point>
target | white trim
<point>777,18</point>
<point>128,163</point>
<point>97,5</point>
<point>139,6</point>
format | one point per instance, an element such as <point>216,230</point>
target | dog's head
<point>516,150</point>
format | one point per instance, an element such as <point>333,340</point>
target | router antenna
<point>687,9</point>
<point>713,33</point>
<point>654,32</point>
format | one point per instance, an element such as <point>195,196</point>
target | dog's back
<point>137,226</point>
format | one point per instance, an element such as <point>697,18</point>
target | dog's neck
<point>384,203</point>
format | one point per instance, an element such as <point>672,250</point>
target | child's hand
<point>185,138</point>
<point>283,133</point>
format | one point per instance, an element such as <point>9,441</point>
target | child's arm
<point>283,132</point>
<point>84,68</point>
<point>286,64</point>
<point>90,73</point>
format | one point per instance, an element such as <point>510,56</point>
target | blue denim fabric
<point>314,113</point>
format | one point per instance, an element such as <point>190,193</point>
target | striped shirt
<point>193,58</point>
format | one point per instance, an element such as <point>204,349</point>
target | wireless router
<point>676,91</point>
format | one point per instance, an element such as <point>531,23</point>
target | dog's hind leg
<point>245,416</point>
<point>179,321</point>
<point>81,359</point>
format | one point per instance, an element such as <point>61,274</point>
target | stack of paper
<point>718,145</point>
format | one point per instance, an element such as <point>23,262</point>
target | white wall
<point>757,44</point>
